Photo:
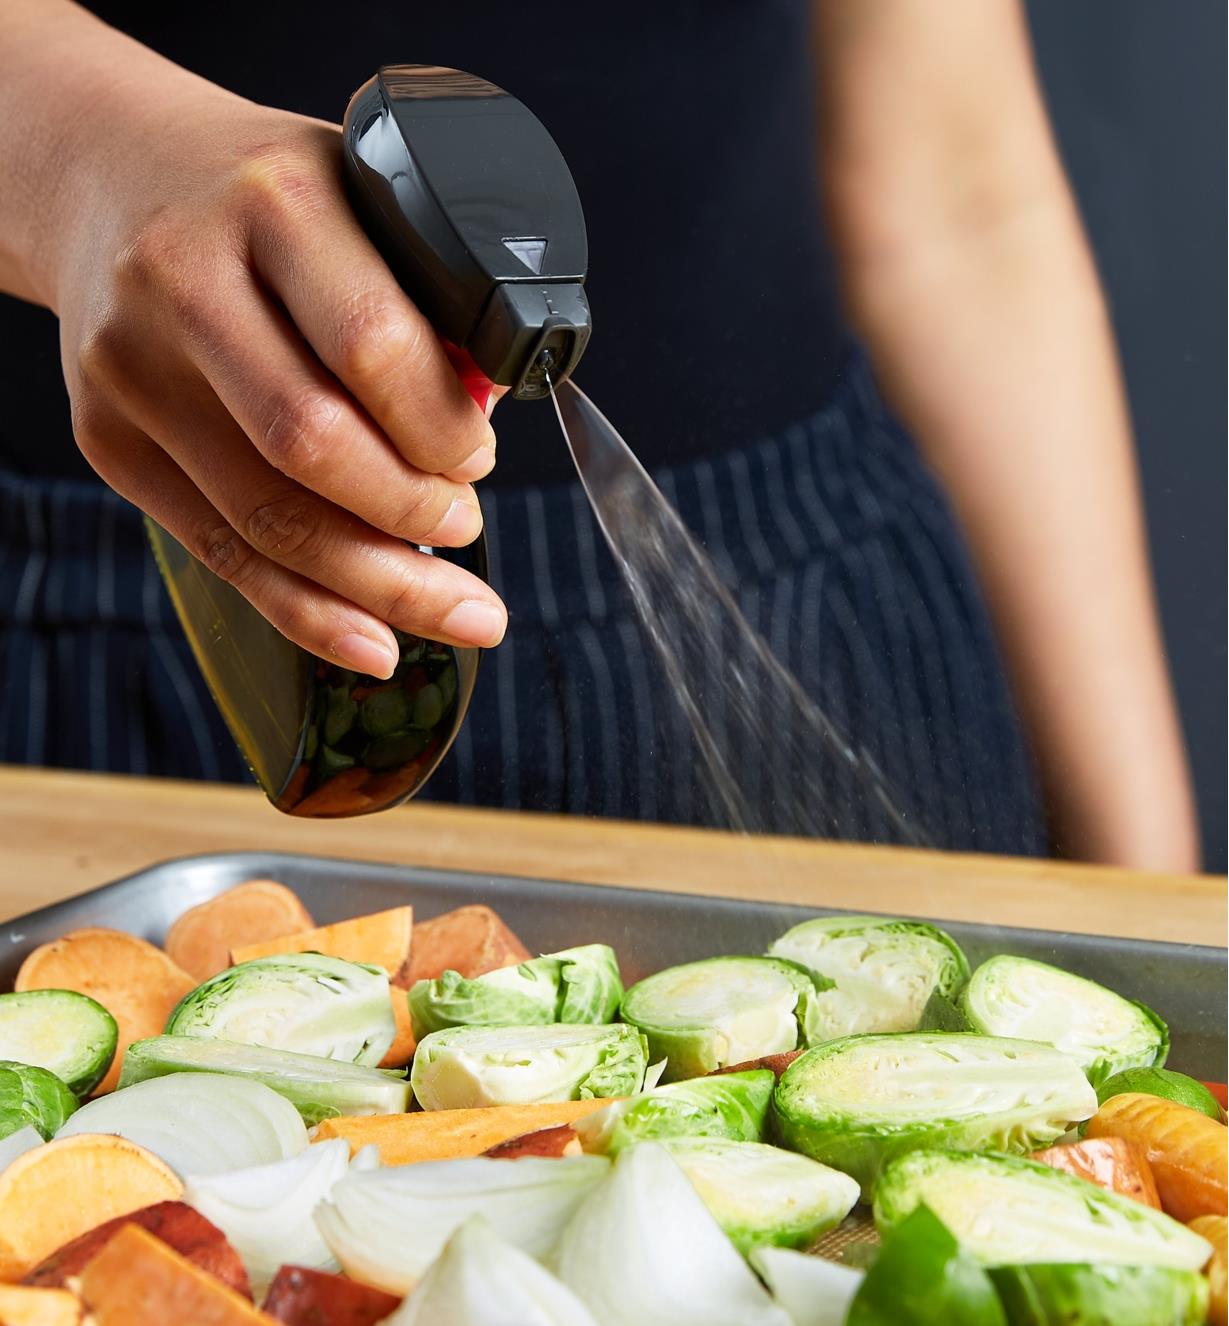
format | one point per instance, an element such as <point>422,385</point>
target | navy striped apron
<point>833,537</point>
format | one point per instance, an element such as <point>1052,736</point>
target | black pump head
<point>472,205</point>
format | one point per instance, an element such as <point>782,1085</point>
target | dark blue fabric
<point>833,536</point>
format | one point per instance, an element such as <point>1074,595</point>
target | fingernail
<point>461,525</point>
<point>477,465</point>
<point>476,623</point>
<point>366,655</point>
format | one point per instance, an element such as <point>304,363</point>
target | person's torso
<point>688,127</point>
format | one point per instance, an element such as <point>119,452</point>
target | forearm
<point>967,271</point>
<point>71,91</point>
<point>998,354</point>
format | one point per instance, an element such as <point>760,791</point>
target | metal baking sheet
<point>1185,983</point>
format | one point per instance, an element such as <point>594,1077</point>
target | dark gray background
<point>1137,93</point>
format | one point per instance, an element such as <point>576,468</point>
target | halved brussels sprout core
<point>318,1088</point>
<point>69,1034</point>
<point>1006,1210</point>
<point>307,1003</point>
<point>705,1015</point>
<point>856,1103</point>
<point>762,1194</point>
<point>1103,1032</point>
<point>462,1067</point>
<point>882,971</point>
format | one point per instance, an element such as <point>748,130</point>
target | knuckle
<point>406,604</point>
<point>275,183</point>
<point>293,436</point>
<point>374,339</point>
<point>283,527</point>
<point>149,256</point>
<point>101,350</point>
<point>422,508</point>
<point>90,426</point>
<point>223,551</point>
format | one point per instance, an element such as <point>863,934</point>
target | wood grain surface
<point>64,833</point>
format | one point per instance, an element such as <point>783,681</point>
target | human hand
<point>243,366</point>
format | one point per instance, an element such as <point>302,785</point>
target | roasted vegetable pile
<point>383,1120</point>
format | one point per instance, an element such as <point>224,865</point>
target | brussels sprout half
<point>857,1102</point>
<point>69,1034</point>
<point>318,1088</point>
<point>576,985</point>
<point>761,1194</point>
<point>307,1003</point>
<point>1006,1211</point>
<point>462,1067</point>
<point>705,1015</point>
<point>1103,1032</point>
<point>32,1097</point>
<point>1101,1295</point>
<point>727,1105</point>
<point>881,971</point>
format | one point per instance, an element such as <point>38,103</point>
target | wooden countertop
<point>64,833</point>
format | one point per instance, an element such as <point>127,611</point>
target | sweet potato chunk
<point>1188,1152</point>
<point>561,1140</point>
<point>403,1139</point>
<point>20,1306</point>
<point>300,1297</point>
<point>777,1062</point>
<point>470,940</point>
<point>401,1051</point>
<point>1109,1162</point>
<point>381,939</point>
<point>177,1224</point>
<point>134,981</point>
<point>1216,1230</point>
<point>137,1279</point>
<point>200,941</point>
<point>57,1192</point>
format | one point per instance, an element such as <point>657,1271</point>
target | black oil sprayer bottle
<point>472,206</point>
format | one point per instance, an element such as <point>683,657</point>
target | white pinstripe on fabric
<point>584,523</point>
<point>36,719</point>
<point>800,445</point>
<point>647,767</point>
<point>778,501</point>
<point>540,556</point>
<point>748,518</point>
<point>604,707</point>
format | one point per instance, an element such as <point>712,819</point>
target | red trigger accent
<point>473,379</point>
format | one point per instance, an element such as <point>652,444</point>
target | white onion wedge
<point>813,1291</point>
<point>266,1211</point>
<point>643,1250</point>
<point>387,1227</point>
<point>479,1280</point>
<point>199,1123</point>
<point>17,1144</point>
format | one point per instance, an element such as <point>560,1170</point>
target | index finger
<point>350,309</point>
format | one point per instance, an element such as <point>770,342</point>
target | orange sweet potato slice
<point>177,1224</point>
<point>200,941</point>
<point>138,1279</point>
<point>1216,1230</point>
<point>561,1140</point>
<point>134,981</point>
<point>404,1139</point>
<point>470,940</point>
<point>401,1051</point>
<point>343,794</point>
<point>1109,1162</point>
<point>381,939</point>
<point>1188,1152</point>
<point>57,1192</point>
<point>20,1306</point>
<point>301,1297</point>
